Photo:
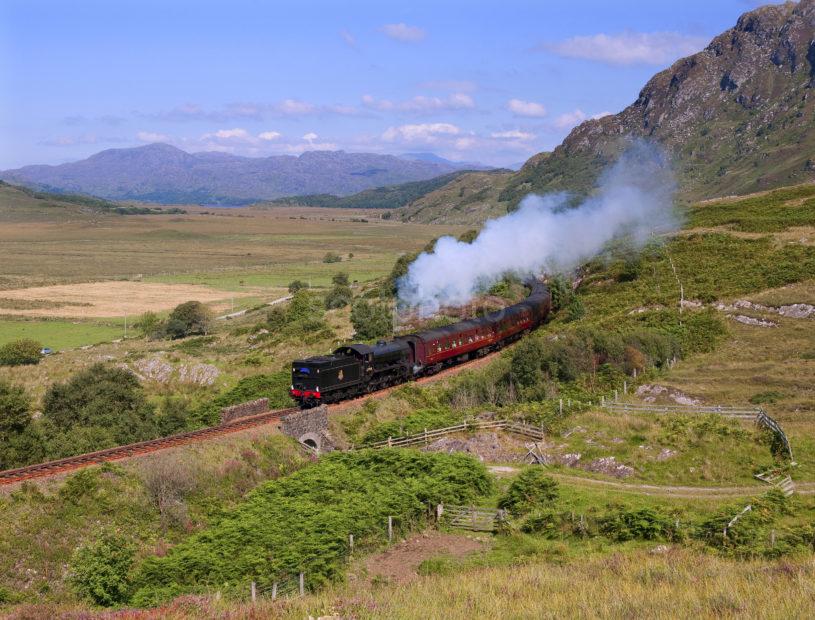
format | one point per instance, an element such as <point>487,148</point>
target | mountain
<point>164,174</point>
<point>432,157</point>
<point>388,197</point>
<point>737,117</point>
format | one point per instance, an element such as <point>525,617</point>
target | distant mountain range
<point>165,174</point>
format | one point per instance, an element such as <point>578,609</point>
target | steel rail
<point>40,470</point>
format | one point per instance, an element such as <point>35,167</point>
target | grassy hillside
<point>21,204</point>
<point>390,197</point>
<point>642,536</point>
<point>468,199</point>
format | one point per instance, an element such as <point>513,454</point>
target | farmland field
<point>65,262</point>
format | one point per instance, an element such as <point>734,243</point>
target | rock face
<point>738,116</point>
<point>164,174</point>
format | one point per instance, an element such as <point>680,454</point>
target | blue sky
<point>479,81</point>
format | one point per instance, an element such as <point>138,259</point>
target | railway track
<point>50,468</point>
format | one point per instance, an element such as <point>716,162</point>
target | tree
<point>340,279</point>
<point>370,320</point>
<point>21,352</point>
<point>332,257</point>
<point>296,285</point>
<point>99,570</point>
<point>103,404</point>
<point>188,319</point>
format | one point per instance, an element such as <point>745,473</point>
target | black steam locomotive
<point>358,369</point>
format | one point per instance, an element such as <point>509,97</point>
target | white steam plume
<point>634,199</point>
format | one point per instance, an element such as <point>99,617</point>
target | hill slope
<point>738,117</point>
<point>20,204</point>
<point>164,174</point>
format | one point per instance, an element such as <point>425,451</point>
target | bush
<point>338,297</point>
<point>20,352</point>
<point>531,489</point>
<point>20,441</point>
<point>301,522</point>
<point>638,524</point>
<point>188,319</point>
<point>273,386</point>
<point>331,257</point>
<point>371,320</point>
<point>340,279</point>
<point>297,285</point>
<point>105,405</point>
<point>99,570</point>
<point>148,324</point>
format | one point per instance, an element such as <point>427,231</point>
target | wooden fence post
<point>425,436</point>
<point>351,542</point>
<point>254,592</point>
<point>625,387</point>
<point>439,513</point>
<point>274,591</point>
<point>616,396</point>
<point>390,529</point>
<point>772,539</point>
<point>390,444</point>
<point>561,406</point>
<point>302,584</point>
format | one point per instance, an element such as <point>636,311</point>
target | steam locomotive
<point>357,369</point>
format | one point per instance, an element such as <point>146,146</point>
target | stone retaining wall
<point>253,407</point>
<point>309,426</point>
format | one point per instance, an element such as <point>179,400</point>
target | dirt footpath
<point>399,563</point>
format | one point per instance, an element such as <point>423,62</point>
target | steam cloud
<point>634,199</point>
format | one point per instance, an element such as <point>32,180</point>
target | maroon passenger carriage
<point>358,369</point>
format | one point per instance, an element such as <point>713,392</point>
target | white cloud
<point>150,136</point>
<point>294,107</point>
<point>421,104</point>
<point>570,119</point>
<point>310,137</point>
<point>650,48</point>
<point>403,32</point>
<point>513,134</point>
<point>268,136</point>
<point>230,134</point>
<point>349,39</point>
<point>426,133</point>
<point>526,108</point>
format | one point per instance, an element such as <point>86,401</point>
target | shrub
<point>105,404</point>
<point>296,285</point>
<point>168,479</point>
<point>766,398</point>
<point>338,297</point>
<point>340,279</point>
<point>332,257</point>
<point>301,522</point>
<point>15,414</point>
<point>20,441</point>
<point>188,319</point>
<point>637,524</point>
<point>20,352</point>
<point>99,570</point>
<point>148,324</point>
<point>531,489</point>
<point>371,320</point>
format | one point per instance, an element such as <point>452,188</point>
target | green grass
<point>771,212</point>
<point>58,334</point>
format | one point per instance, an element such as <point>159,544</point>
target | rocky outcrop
<point>737,117</point>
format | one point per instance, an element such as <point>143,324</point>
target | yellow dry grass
<point>112,299</point>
